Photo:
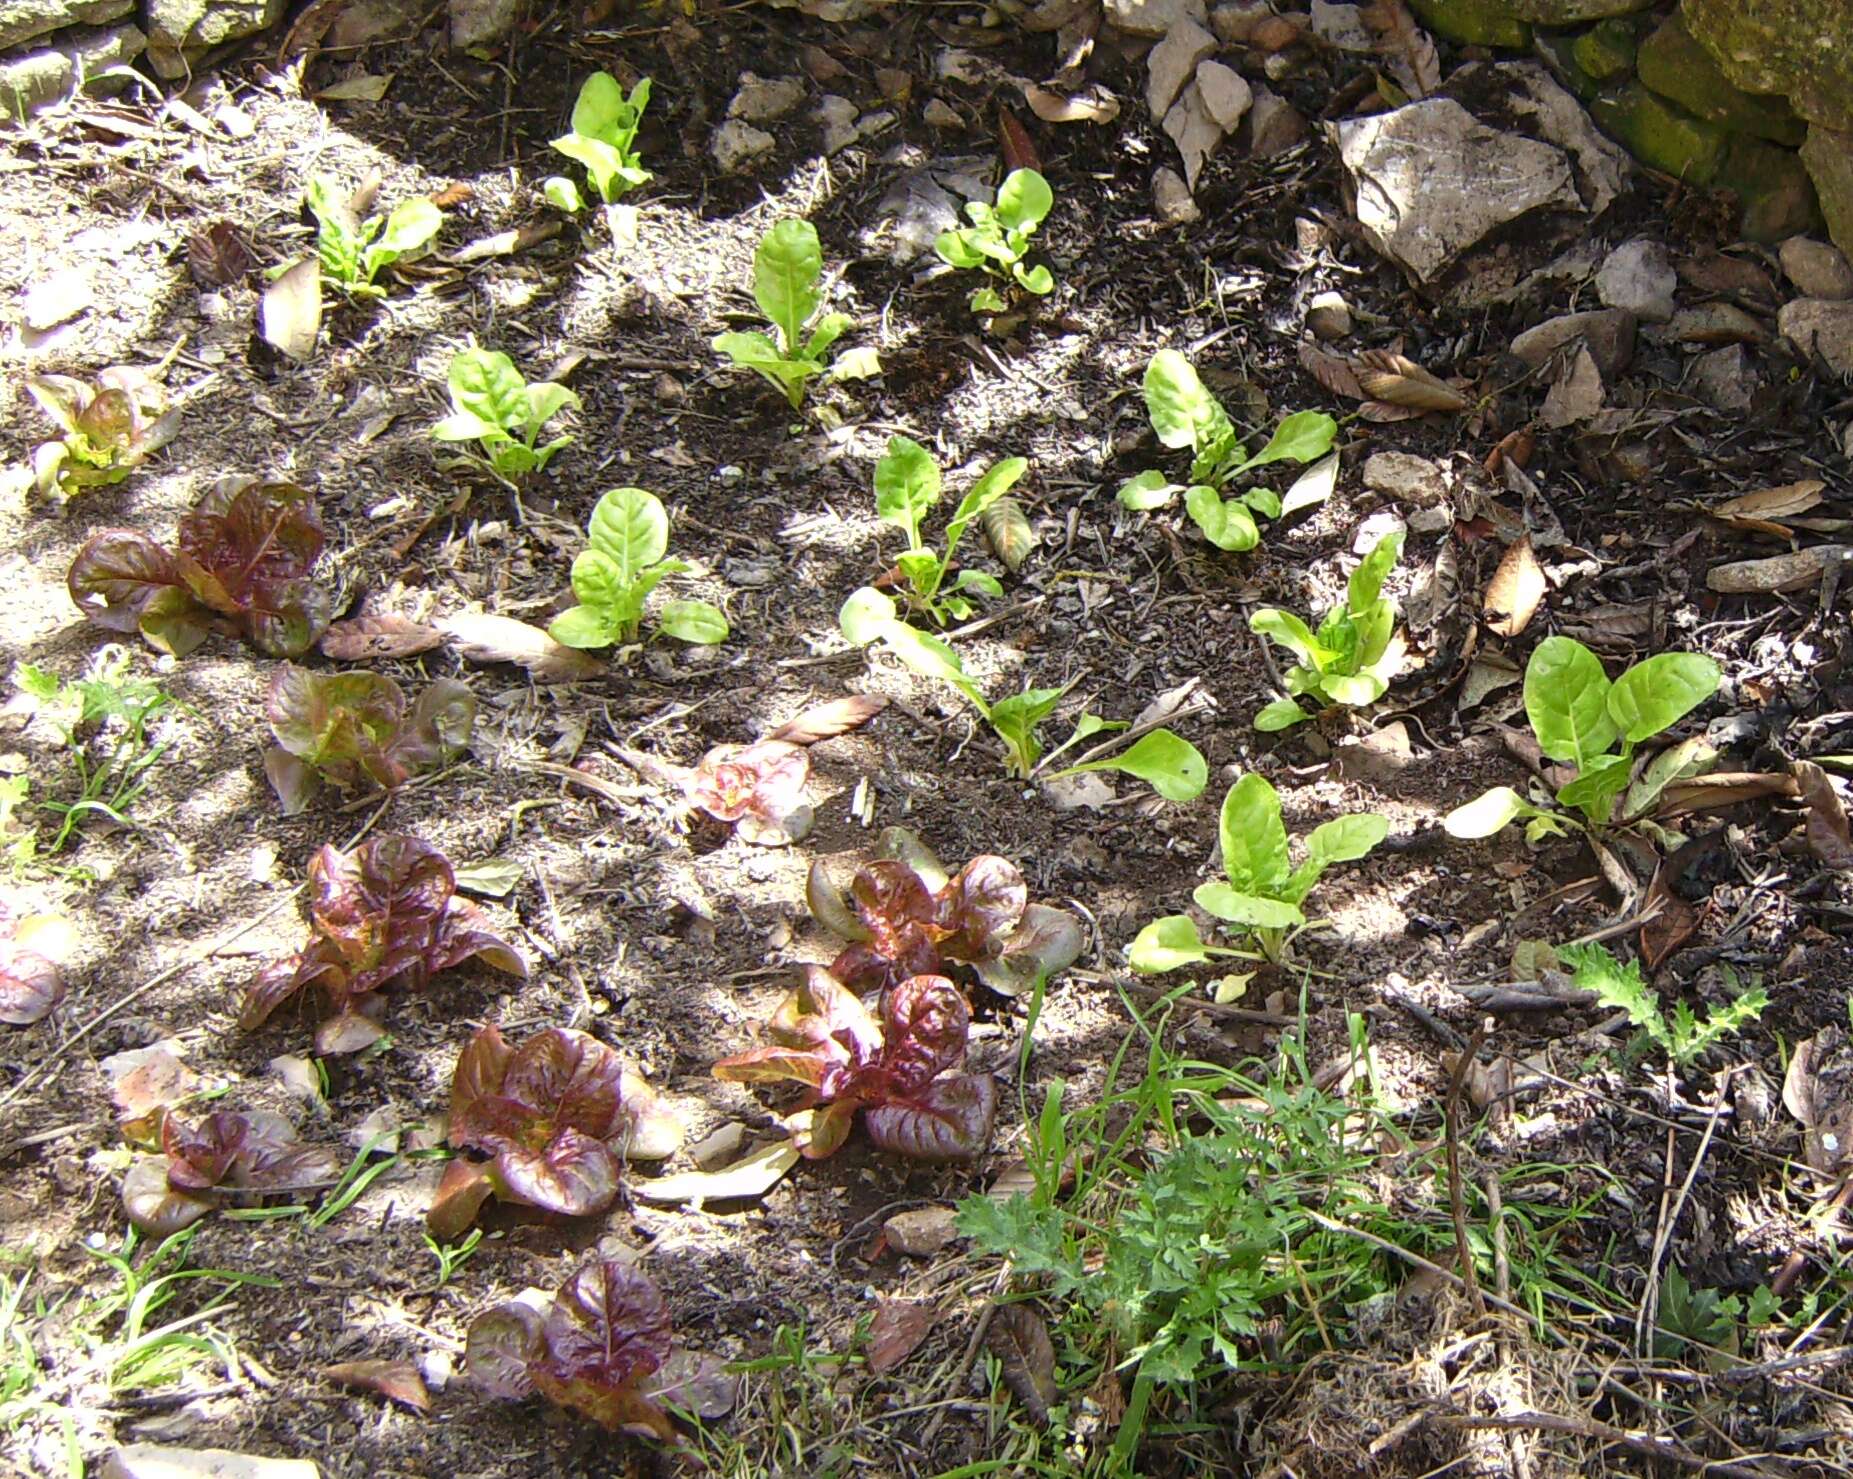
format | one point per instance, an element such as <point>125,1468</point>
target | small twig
<point>1457,1197</point>
<point>963,1369</point>
<point>1588,1427</point>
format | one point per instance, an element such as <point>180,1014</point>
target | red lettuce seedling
<point>558,1116</point>
<point>354,727</point>
<point>243,565</point>
<point>385,913</point>
<point>223,1157</point>
<point>600,1346</point>
<point>32,952</point>
<point>909,919</point>
<point>897,1071</point>
<point>759,788</point>
<point>111,426</point>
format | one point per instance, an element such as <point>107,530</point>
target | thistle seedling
<point>1682,1037</point>
<point>492,406</point>
<point>1172,766</point>
<point>1185,414</point>
<point>111,426</point>
<point>998,239</point>
<point>1354,654</point>
<point>1264,891</point>
<point>787,270</point>
<point>603,138</point>
<point>1579,717</point>
<point>907,485</point>
<point>613,577</point>
<point>354,251</point>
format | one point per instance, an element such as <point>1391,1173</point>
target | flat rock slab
<point>1607,333</point>
<point>21,20</point>
<point>1817,327</point>
<point>157,1461</point>
<point>1431,180</point>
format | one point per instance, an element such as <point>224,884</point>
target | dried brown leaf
<point>1515,592</point>
<point>1007,529</point>
<point>1333,371</point>
<point>1020,1341</point>
<point>828,720</point>
<point>290,314</point>
<point>1411,51</point>
<point>217,256</point>
<point>1092,104</point>
<point>1790,572</point>
<point>1827,833</point>
<point>1673,921</point>
<point>1014,143</point>
<point>480,637</point>
<point>1402,382</point>
<point>1721,789</point>
<point>897,1330</point>
<point>397,1381</point>
<point>365,637</point>
<point>1516,446</point>
<point>1757,512</point>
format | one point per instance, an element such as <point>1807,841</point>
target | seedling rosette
<point>386,914</point>
<point>557,1118</point>
<point>224,1158</point>
<point>759,788</point>
<point>897,1072</point>
<point>493,406</point>
<point>1353,656</point>
<point>997,241</point>
<point>111,426</point>
<point>613,577</point>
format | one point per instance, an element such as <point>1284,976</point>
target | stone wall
<point>50,47</point>
<point>1750,96</point>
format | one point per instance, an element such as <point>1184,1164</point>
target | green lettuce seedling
<point>503,414</point>
<point>786,271</point>
<point>1579,717</point>
<point>998,239</point>
<point>907,485</point>
<point>1172,766</point>
<point>1264,891</point>
<point>1185,414</point>
<point>603,134</point>
<point>354,251</point>
<point>1354,654</point>
<point>612,578</point>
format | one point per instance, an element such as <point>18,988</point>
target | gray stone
<point>762,99</point>
<point>838,117</point>
<point>1172,200</point>
<point>30,81</point>
<point>938,113</point>
<point>1173,63</point>
<point>1608,334</point>
<point>156,1461</point>
<point>180,31</point>
<point>1342,26</point>
<point>1724,379</point>
<point>1602,166</point>
<point>1328,316</point>
<point>1431,180</point>
<point>1802,49</point>
<point>1405,477</point>
<point>1716,323</point>
<point>1235,20</point>
<point>1814,326</point>
<point>368,22</point>
<point>1226,94</point>
<point>1151,17</point>
<point>1193,131</point>
<point>1828,156</point>
<point>737,144</point>
<point>22,20</point>
<point>1817,269</point>
<point>1638,276</point>
<point>1274,124</point>
<point>475,24</point>
<point>1569,12</point>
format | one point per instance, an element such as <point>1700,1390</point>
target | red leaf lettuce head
<point>242,563</point>
<point>386,913</point>
<point>31,976</point>
<point>224,1154</point>
<point>759,788</point>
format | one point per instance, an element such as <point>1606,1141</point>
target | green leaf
<point>1302,437</point>
<point>1264,501</point>
<point>1023,200</point>
<point>865,615</point>
<point>1596,786</point>
<point>907,485</point>
<point>1228,526</point>
<point>988,300</point>
<point>1253,837</point>
<point>582,627</point>
<point>602,162</point>
<point>562,194</point>
<point>785,272</point>
<point>1566,699</point>
<point>1487,813</point>
<point>981,581</point>
<point>955,249</point>
<point>1311,487</point>
<point>630,528</point>
<point>693,621</point>
<point>600,111</point>
<point>1283,713</point>
<point>485,384</point>
<point>856,364</point>
<point>1253,910</point>
<point>1183,412</point>
<point>1346,839</point>
<point>1038,279</point>
<point>932,658</point>
<point>1354,690</point>
<point>1291,633</point>
<point>1366,583</point>
<point>1016,719</point>
<point>1678,762</point>
<point>1166,945</point>
<point>545,401</point>
<point>1147,491</point>
<point>825,332</point>
<point>1169,764</point>
<point>996,482</point>
<point>1658,693</point>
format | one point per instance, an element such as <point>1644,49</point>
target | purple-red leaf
<point>574,1176</point>
<point>1020,1341</point>
<point>1046,941</point>
<point>766,779</point>
<point>980,907</point>
<point>465,1186</point>
<point>31,984</point>
<point>950,1121</point>
<point>243,1152</point>
<point>353,726</point>
<point>501,1348</point>
<point>608,1330</point>
<point>927,1022</point>
<point>152,1204</point>
<point>695,1382</point>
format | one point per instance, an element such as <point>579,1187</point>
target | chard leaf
<point>1302,437</point>
<point>695,622</point>
<point>1353,689</point>
<point>1248,909</point>
<point>866,615</point>
<point>1167,945</point>
<point>1038,279</point>
<point>1346,839</point>
<point>1253,838</point>
<point>1283,713</point>
<point>1170,764</point>
<point>1149,490</point>
<point>1487,813</point>
<point>410,226</point>
<point>995,483</point>
<point>949,1121</point>
<point>485,384</point>
<point>785,272</point>
<point>583,627</point>
<point>825,332</point>
<point>1023,201</point>
<point>1596,786</point>
<point>1016,719</point>
<point>629,528</point>
<point>1183,412</point>
<point>1658,693</point>
<point>1366,583</point>
<point>1566,699</point>
<point>1227,525</point>
<point>1286,629</point>
<point>907,485</point>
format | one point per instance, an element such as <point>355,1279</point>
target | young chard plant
<point>1579,718</point>
<point>354,251</point>
<point>905,917</point>
<point>614,575</point>
<point>1682,1037</point>
<point>897,1072</point>
<point>492,406</point>
<point>601,1347</point>
<point>350,727</point>
<point>1264,891</point>
<point>385,914</point>
<point>1354,654</point>
<point>603,139</point>
<point>1185,414</point>
<point>243,564</point>
<point>907,485</point>
<point>110,428</point>
<point>998,240</point>
<point>557,1118</point>
<point>1171,765</point>
<point>787,269</point>
<point>226,1157</point>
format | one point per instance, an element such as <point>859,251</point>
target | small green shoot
<point>603,139</point>
<point>1185,414</point>
<point>451,1257</point>
<point>494,407</point>
<point>1682,1037</point>
<point>1264,891</point>
<point>998,240</point>
<point>787,271</point>
<point>1172,766</point>
<point>907,485</point>
<point>1578,717</point>
<point>629,532</point>
<point>1354,654</point>
<point>354,251</point>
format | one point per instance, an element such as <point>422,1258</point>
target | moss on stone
<point>1773,187</point>
<point>1474,22</point>
<point>1802,49</point>
<point>1660,134</point>
<point>1677,67</point>
<point>1606,50</point>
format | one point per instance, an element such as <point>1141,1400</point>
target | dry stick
<point>1670,1220</point>
<point>1585,1427</point>
<point>964,1367</point>
<point>1502,1281</point>
<point>1793,1265</point>
<point>1457,1196</point>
